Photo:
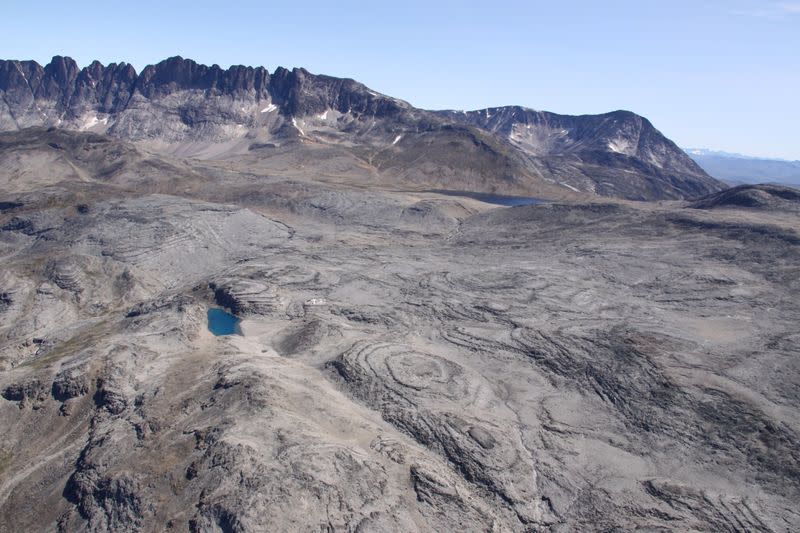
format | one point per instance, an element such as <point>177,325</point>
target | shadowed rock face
<point>178,74</point>
<point>178,103</point>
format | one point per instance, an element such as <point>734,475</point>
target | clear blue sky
<point>716,74</point>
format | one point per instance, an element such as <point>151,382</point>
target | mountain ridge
<point>734,155</point>
<point>744,169</point>
<point>178,101</point>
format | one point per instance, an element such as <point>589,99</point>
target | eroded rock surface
<point>408,361</point>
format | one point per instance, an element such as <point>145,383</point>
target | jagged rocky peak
<point>63,81</point>
<point>109,88</point>
<point>58,81</point>
<point>301,93</point>
<point>176,74</point>
<point>65,88</point>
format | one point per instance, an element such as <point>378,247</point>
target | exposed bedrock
<point>446,406</point>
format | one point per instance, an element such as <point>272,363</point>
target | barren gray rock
<point>408,361</point>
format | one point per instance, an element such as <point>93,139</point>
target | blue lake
<point>497,199</point>
<point>221,322</point>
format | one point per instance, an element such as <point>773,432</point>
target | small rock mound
<point>28,393</point>
<point>752,197</point>
<point>67,274</point>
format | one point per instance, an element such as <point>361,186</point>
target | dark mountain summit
<point>178,102</point>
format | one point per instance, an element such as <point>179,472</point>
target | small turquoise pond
<point>221,322</point>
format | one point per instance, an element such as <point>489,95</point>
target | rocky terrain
<point>409,355</point>
<point>334,125</point>
<point>408,360</point>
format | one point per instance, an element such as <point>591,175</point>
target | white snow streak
<point>90,122</point>
<point>569,186</point>
<point>269,108</point>
<point>397,140</point>
<point>620,146</point>
<point>294,123</point>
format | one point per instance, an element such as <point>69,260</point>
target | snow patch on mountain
<point>620,146</point>
<point>294,123</point>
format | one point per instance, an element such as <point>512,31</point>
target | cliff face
<point>61,94</point>
<point>180,101</point>
<point>171,101</point>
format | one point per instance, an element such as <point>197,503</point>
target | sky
<point>716,74</point>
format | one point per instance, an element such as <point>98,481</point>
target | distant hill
<point>770,197</point>
<point>737,169</point>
